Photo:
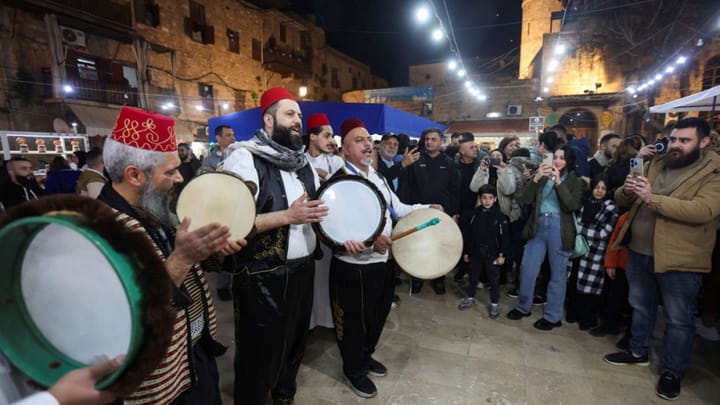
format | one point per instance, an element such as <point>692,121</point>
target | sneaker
<point>516,315</point>
<point>416,287</point>
<point>493,311</point>
<point>626,358</point>
<point>706,332</point>
<point>544,324</point>
<point>539,300</point>
<point>513,293</point>
<point>224,294</point>
<point>376,369</point>
<point>362,386</point>
<point>393,305</point>
<point>668,387</point>
<point>466,303</point>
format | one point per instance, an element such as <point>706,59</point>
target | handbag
<point>581,246</point>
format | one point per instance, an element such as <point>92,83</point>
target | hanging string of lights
<point>440,32</point>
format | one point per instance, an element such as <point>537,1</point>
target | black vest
<point>267,251</point>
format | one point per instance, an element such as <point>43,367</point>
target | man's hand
<point>610,272</point>
<point>466,258</point>
<point>304,212</point>
<point>78,386</point>
<point>232,247</point>
<point>353,248</point>
<point>192,247</point>
<point>646,152</point>
<point>642,188</point>
<point>381,244</point>
<point>499,261</point>
<point>410,157</point>
<point>437,207</point>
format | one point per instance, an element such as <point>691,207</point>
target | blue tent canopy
<point>378,118</point>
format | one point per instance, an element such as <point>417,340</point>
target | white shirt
<point>325,161</point>
<point>14,385</point>
<point>301,238</point>
<point>391,200</point>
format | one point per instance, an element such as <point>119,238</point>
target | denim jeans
<point>548,241</point>
<point>679,291</point>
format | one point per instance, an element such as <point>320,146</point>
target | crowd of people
<point>647,217</point>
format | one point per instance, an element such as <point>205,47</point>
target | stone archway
<point>583,124</point>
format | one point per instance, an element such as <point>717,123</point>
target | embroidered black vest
<point>268,250</point>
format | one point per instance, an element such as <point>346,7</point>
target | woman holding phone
<point>556,192</point>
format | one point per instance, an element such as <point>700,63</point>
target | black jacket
<point>432,181</point>
<point>489,234</point>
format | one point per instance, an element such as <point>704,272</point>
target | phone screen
<point>636,167</point>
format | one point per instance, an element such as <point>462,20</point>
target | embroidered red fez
<point>272,96</point>
<point>145,130</point>
<point>349,125</point>
<point>317,120</point>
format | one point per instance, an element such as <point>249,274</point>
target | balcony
<point>108,93</point>
<point>287,62</point>
<point>93,15</point>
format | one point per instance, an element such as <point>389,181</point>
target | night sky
<point>385,35</point>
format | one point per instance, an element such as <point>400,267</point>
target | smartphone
<point>494,161</point>
<point>637,166</point>
<point>548,159</point>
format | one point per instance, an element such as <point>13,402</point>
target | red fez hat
<point>272,96</point>
<point>349,125</point>
<point>317,120</point>
<point>145,130</point>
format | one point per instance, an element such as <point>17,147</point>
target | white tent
<point>707,100</point>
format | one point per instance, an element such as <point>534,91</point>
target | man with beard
<point>361,285</point>
<point>189,164</point>
<point>20,186</point>
<point>434,179</point>
<point>321,147</point>
<point>141,158</point>
<point>670,232</point>
<point>273,284</point>
<point>601,159</point>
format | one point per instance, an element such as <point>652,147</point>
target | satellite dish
<point>60,126</point>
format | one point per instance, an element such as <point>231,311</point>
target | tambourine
<point>431,252</point>
<point>78,288</point>
<point>356,211</point>
<point>222,197</point>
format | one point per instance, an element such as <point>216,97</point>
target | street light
<point>302,91</point>
<point>68,88</point>
<point>422,14</point>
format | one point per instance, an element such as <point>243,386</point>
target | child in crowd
<point>596,220</point>
<point>486,246</point>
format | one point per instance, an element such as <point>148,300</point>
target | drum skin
<point>431,252</point>
<point>221,197</point>
<point>356,211</point>
<point>148,286</point>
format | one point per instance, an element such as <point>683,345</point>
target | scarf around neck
<point>281,156</point>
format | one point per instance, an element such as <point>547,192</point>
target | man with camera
<point>670,232</point>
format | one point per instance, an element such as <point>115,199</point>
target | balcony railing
<point>109,93</point>
<point>287,62</point>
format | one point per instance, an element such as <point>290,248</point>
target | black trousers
<point>206,388</point>
<point>272,317</point>
<point>361,295</point>
<point>479,264</point>
<point>618,308</point>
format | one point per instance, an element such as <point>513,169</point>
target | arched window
<point>711,74</point>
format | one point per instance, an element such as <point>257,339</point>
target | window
<point>323,69</point>
<point>87,68</point>
<point>283,33</point>
<point>196,27</point>
<point>233,41</point>
<point>206,93</point>
<point>147,12</point>
<point>711,75</point>
<point>334,81</point>
<point>305,40</point>
<point>256,49</point>
<point>354,83</point>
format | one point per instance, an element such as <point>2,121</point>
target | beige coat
<point>687,218</point>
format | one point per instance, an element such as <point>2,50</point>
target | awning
<point>97,120</point>
<point>708,100</point>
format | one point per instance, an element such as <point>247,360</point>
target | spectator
<point>607,145</point>
<point>60,177</point>
<point>189,164</point>
<point>92,179</point>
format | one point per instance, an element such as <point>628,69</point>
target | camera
<point>494,161</point>
<point>661,145</point>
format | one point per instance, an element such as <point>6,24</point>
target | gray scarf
<point>262,146</point>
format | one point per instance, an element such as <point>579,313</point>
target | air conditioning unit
<point>514,109</point>
<point>73,37</point>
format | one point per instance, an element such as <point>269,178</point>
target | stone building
<point>82,60</point>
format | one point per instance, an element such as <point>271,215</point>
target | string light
<point>452,65</point>
<point>422,14</point>
<point>437,34</point>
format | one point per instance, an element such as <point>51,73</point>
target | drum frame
<point>338,246</point>
<point>25,346</point>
